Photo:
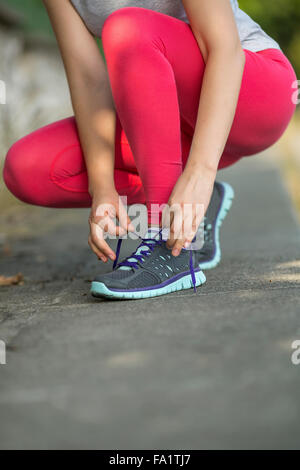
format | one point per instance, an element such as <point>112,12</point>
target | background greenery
<point>279,18</point>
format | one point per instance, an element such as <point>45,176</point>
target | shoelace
<point>149,244</point>
<point>132,260</point>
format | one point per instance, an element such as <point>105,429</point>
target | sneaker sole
<point>99,289</point>
<point>226,205</point>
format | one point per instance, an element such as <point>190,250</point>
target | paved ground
<point>211,370</point>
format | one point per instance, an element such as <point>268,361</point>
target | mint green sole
<point>99,289</point>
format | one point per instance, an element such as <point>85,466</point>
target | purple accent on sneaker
<point>192,271</point>
<point>117,252</point>
<point>157,286</point>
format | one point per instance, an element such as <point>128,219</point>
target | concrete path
<point>186,371</point>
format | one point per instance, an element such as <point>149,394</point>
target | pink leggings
<point>155,69</point>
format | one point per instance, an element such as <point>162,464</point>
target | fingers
<point>97,252</point>
<point>178,245</point>
<point>99,245</point>
<point>183,227</point>
<point>102,222</point>
<point>109,226</point>
<point>124,219</point>
<point>104,218</point>
<point>190,230</point>
<point>106,215</point>
<point>193,227</point>
<point>166,217</point>
<point>175,234</point>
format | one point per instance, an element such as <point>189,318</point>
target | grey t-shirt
<point>94,12</point>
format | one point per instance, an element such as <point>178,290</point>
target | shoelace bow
<point>149,244</point>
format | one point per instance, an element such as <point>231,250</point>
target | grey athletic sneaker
<point>220,203</point>
<point>149,272</point>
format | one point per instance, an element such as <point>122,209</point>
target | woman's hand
<point>106,206</point>
<point>186,207</point>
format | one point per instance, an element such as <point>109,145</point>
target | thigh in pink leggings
<point>155,69</point>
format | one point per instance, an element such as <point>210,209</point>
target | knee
<point>123,28</point>
<point>17,172</point>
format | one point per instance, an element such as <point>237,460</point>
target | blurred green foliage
<point>279,18</point>
<point>35,18</point>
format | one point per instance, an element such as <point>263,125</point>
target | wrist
<point>101,186</point>
<point>100,177</point>
<point>199,168</point>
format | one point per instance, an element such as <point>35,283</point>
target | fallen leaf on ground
<point>6,250</point>
<point>12,280</point>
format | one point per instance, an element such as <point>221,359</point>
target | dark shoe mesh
<point>144,279</point>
